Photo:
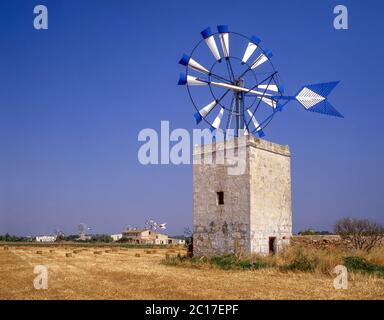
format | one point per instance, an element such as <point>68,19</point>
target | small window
<point>220,197</point>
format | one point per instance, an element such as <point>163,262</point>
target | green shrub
<point>359,264</point>
<point>225,262</point>
<point>253,265</point>
<point>301,262</point>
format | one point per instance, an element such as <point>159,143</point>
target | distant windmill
<point>83,228</point>
<point>163,225</point>
<point>151,224</point>
<point>128,227</point>
<point>59,234</point>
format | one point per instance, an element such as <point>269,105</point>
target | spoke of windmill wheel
<point>237,88</point>
<point>254,121</point>
<point>258,61</point>
<point>268,101</point>
<point>224,39</point>
<point>265,99</point>
<point>203,112</point>
<point>269,79</point>
<point>230,70</point>
<point>229,119</point>
<point>193,64</point>
<point>190,80</point>
<point>219,77</point>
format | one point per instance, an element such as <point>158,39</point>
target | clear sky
<point>74,97</point>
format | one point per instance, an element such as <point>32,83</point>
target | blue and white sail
<point>313,98</point>
<point>224,39</point>
<point>211,42</point>
<point>251,48</point>
<point>193,64</point>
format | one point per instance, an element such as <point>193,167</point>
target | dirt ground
<point>121,274</point>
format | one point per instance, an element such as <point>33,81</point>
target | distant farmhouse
<point>116,237</point>
<point>45,239</point>
<point>146,236</point>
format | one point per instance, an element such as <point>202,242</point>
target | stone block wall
<point>257,203</point>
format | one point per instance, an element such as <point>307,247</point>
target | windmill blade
<point>193,64</point>
<point>203,112</point>
<point>224,39</point>
<point>269,87</point>
<point>191,81</point>
<point>251,48</point>
<point>211,42</point>
<point>256,124</point>
<point>217,121</point>
<point>261,59</point>
<point>269,101</point>
<point>314,98</point>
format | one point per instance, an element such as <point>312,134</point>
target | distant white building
<point>45,238</point>
<point>116,237</point>
<point>84,237</point>
<point>161,238</point>
<point>175,241</point>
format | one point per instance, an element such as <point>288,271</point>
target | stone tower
<point>248,212</point>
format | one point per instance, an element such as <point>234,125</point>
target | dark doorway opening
<point>220,198</point>
<point>272,245</point>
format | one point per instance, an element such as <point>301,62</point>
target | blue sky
<point>74,97</point>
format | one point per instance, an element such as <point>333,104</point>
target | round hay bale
<point>68,254</point>
<point>76,251</point>
<point>97,252</point>
<point>137,255</point>
<point>51,251</point>
<point>108,251</point>
<point>39,252</point>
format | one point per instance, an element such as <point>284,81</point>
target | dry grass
<point>123,275</point>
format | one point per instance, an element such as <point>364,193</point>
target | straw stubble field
<point>130,273</point>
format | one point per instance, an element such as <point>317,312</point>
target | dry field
<point>127,273</point>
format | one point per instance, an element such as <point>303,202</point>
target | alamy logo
<point>341,280</point>
<point>41,280</point>
<point>158,150</point>
<point>340,22</point>
<point>41,20</point>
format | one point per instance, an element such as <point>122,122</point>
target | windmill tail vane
<point>313,97</point>
<point>245,85</point>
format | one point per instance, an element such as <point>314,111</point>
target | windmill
<point>59,234</point>
<point>83,228</point>
<point>236,89</point>
<point>151,224</point>
<point>243,88</point>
